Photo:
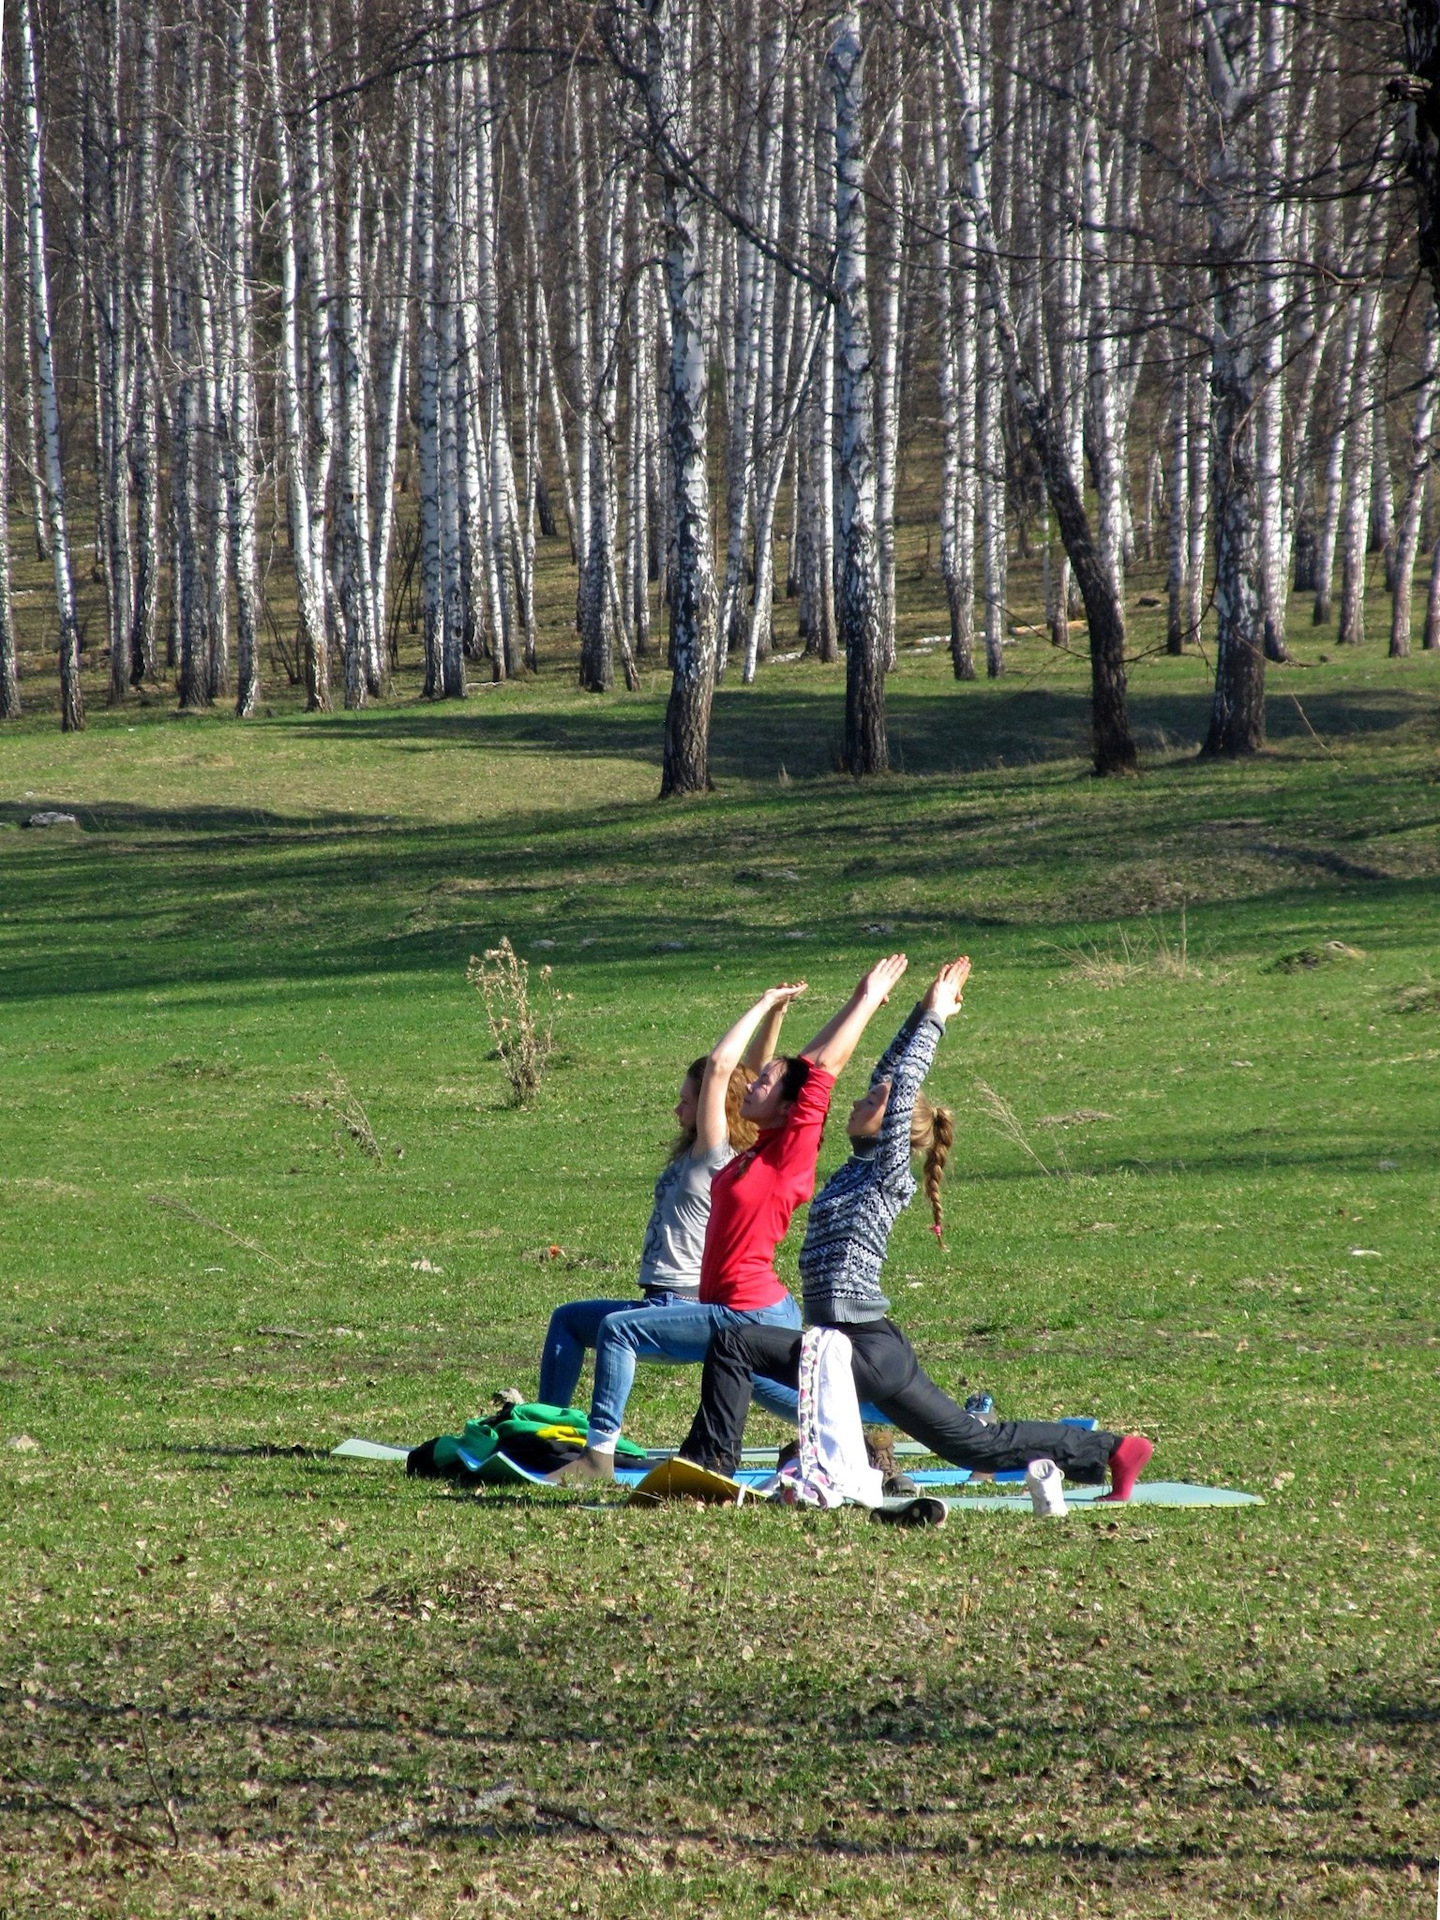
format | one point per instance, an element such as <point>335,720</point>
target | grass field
<point>238,1677</point>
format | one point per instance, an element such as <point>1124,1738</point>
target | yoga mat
<point>753,1476</point>
<point>355,1449</point>
<point>1149,1493</point>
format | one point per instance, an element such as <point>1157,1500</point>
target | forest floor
<point>240,1677</point>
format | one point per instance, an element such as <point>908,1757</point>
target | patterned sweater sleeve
<point>907,1061</point>
<point>885,1066</point>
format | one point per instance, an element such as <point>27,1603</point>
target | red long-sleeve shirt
<point>751,1202</point>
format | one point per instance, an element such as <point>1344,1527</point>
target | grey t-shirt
<point>675,1237</point>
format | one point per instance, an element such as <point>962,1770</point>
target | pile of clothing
<point>521,1442</point>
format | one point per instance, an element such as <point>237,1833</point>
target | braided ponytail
<point>932,1132</point>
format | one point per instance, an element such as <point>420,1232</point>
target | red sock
<point>1127,1463</point>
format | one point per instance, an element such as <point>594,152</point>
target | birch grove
<point>336,347</point>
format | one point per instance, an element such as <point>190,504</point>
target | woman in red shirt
<point>751,1203</point>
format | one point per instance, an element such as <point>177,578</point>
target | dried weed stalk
<point>1003,1114</point>
<point>346,1106</point>
<point>1152,955</point>
<point>502,979</point>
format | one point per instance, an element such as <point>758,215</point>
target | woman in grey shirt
<point>675,1235</point>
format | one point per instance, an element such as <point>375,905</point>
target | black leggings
<point>887,1373</point>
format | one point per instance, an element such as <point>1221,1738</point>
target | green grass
<point>237,1677</point>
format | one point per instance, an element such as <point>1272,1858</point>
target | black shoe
<point>923,1512</point>
<point>899,1486</point>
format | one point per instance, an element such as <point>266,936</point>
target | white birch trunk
<point>750,271</point>
<point>319,368</point>
<point>600,630</point>
<point>102,219</point>
<point>354,584</point>
<point>825,635</point>
<point>1359,462</point>
<point>637,529</point>
<point>503,530</point>
<point>887,372</point>
<point>1103,390</point>
<point>213,360</point>
<point>954,452</point>
<point>186,348</point>
<point>582,358</point>
<point>669,42</point>
<point>1177,533</point>
<point>1335,463</point>
<point>1237,717</point>
<point>1407,537</point>
<point>239,442</point>
<point>1199,527</point>
<point>1272,301</point>
<point>144,452</point>
<point>451,400</point>
<point>9,673</point>
<point>72,708</point>
<point>427,400</point>
<point>391,387</point>
<point>311,635</point>
<point>861,621</point>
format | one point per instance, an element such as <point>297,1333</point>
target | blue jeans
<point>573,1329</point>
<point>677,1335</point>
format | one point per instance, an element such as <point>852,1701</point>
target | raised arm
<point>832,1047</point>
<point>764,1043</point>
<point>756,1028</point>
<point>909,1058</point>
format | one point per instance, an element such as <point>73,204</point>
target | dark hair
<point>797,1073</point>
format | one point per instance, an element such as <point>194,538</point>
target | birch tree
<point>1237,718</point>
<point>72,709</point>
<point>239,398</point>
<point>670,33</point>
<point>1407,539</point>
<point>312,636</point>
<point>860,608</point>
<point>143,433</point>
<point>9,674</point>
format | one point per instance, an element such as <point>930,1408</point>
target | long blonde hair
<point>932,1132</point>
<point>743,1133</point>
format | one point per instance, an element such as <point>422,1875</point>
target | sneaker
<point>586,1467</point>
<point>922,1512</point>
<point>982,1405</point>
<point>899,1486</point>
<point>1045,1485</point>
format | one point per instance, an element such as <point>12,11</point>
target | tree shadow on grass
<point>596,896</point>
<point>373,1747</point>
<point>232,825</point>
<point>757,731</point>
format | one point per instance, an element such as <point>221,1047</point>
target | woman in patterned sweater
<point>840,1266</point>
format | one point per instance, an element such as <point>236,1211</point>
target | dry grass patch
<point>1330,953</point>
<point>1150,954</point>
